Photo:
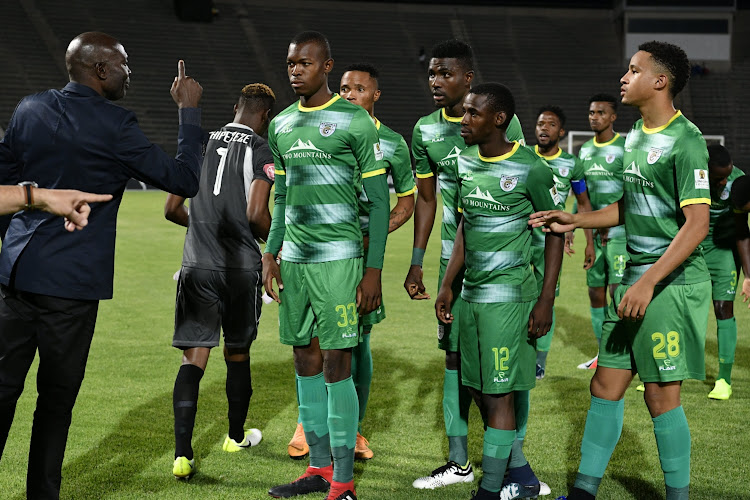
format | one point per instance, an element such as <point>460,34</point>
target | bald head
<point>99,61</point>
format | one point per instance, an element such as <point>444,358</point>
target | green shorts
<point>320,298</point>
<point>609,265</point>
<point>496,354</point>
<point>669,343</point>
<point>447,333</point>
<point>724,267</point>
<point>537,263</point>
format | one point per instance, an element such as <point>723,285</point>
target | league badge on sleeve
<point>507,183</point>
<point>327,129</point>
<point>653,155</point>
<point>378,151</point>
<point>701,179</point>
<point>555,195</point>
<point>268,169</point>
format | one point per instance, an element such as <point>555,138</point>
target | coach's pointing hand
<point>271,272</point>
<point>186,92</point>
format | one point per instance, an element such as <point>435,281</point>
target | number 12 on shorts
<point>502,355</point>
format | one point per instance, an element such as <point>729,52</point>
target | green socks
<point>313,412</point>
<point>343,408</point>
<point>597,320</point>
<point>673,441</point>
<point>456,403</point>
<point>497,446</point>
<point>600,436</point>
<point>521,402</point>
<point>362,373</point>
<point>726,332</point>
<point>544,343</point>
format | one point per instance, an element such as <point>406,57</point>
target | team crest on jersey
<point>653,155</point>
<point>268,169</point>
<point>327,128</point>
<point>441,332</point>
<point>564,171</point>
<point>610,157</point>
<point>507,183</point>
<point>724,194</point>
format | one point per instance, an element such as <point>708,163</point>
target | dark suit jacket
<point>76,139</point>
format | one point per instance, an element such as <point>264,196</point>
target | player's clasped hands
<point>186,92</point>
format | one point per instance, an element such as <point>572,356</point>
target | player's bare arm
<point>401,212</point>
<point>175,210</point>
<point>540,319</point>
<point>424,219</point>
<point>742,234</point>
<point>635,301</point>
<point>584,205</point>
<point>455,263</point>
<point>258,215</point>
<point>558,221</point>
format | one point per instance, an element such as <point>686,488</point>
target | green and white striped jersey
<point>565,169</point>
<point>721,228</point>
<point>497,196</point>
<point>321,155</point>
<point>602,166</point>
<point>436,144</point>
<point>665,170</point>
<point>397,162</point>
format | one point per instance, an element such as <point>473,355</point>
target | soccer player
<point>602,165</point>
<point>500,184</point>
<point>219,283</point>
<point>325,151</point>
<point>725,248</point>
<point>656,324</point>
<point>436,144</point>
<point>359,85</point>
<point>567,172</point>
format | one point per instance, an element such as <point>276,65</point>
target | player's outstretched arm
<point>68,203</point>
<point>558,221</point>
<point>175,210</point>
<point>456,262</point>
<point>635,301</point>
<point>424,219</point>
<point>743,248</point>
<point>540,319</point>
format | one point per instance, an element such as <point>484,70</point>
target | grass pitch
<point>121,442</point>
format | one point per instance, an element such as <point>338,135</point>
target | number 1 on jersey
<point>220,171</point>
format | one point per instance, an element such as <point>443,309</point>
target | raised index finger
<point>180,69</point>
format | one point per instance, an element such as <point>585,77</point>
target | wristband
<point>417,256</point>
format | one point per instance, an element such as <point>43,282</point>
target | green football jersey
<point>565,169</point>
<point>602,165</point>
<point>665,170</point>
<point>721,228</point>
<point>398,164</point>
<point>321,155</point>
<point>436,144</point>
<point>497,196</point>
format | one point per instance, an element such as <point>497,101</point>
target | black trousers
<point>61,329</point>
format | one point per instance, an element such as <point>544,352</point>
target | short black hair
<point>740,194</point>
<point>673,60</point>
<point>365,68</point>
<point>718,156</point>
<point>499,97</point>
<point>257,97</point>
<point>313,36</point>
<point>556,110</point>
<point>608,98</point>
<point>455,49</point>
